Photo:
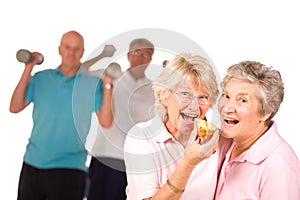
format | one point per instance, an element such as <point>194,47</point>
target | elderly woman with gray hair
<point>259,163</point>
<point>163,157</point>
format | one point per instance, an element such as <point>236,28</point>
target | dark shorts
<point>51,184</point>
<point>107,179</point>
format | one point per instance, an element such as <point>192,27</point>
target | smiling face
<point>182,111</point>
<point>71,50</point>
<point>139,60</point>
<point>239,112</point>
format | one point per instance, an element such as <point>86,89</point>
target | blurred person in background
<point>63,101</point>
<point>132,101</point>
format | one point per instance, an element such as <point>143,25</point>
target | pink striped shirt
<point>151,157</point>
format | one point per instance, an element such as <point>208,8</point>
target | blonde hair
<point>177,71</point>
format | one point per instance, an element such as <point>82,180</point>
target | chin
<point>225,133</point>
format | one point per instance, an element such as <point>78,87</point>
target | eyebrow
<point>238,94</point>
<point>243,94</point>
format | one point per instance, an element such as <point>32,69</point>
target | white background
<point>229,31</point>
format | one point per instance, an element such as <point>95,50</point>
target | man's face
<point>71,50</point>
<point>140,58</point>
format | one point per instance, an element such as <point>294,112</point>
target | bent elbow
<point>104,120</point>
<point>13,110</point>
<point>105,124</point>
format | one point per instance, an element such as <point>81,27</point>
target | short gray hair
<point>268,81</point>
<point>140,43</point>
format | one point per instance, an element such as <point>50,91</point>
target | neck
<point>136,75</point>
<point>242,145</point>
<point>69,71</point>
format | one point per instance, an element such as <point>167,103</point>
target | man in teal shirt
<point>64,100</point>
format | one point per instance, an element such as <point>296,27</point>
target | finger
<point>209,147</point>
<point>193,135</point>
<point>215,137</point>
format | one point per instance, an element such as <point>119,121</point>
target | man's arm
<point>18,101</point>
<point>105,114</point>
<point>108,51</point>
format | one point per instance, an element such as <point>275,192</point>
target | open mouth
<point>187,116</point>
<point>231,121</point>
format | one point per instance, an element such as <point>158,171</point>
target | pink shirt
<point>151,156</point>
<point>268,170</point>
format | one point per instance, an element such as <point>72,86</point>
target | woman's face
<point>183,107</point>
<point>239,111</point>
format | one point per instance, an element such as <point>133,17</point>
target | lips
<point>230,121</point>
<point>188,116</point>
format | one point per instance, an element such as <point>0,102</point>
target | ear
<point>265,116</point>
<point>59,51</point>
<point>164,101</point>
<point>128,55</point>
<point>82,53</point>
<point>164,96</point>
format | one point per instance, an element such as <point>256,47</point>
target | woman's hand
<point>196,152</point>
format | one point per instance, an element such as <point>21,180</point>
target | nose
<point>194,106</point>
<point>229,106</point>
<point>194,101</point>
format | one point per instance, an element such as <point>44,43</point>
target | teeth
<point>231,121</point>
<point>188,116</point>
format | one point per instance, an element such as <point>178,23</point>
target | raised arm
<point>108,51</point>
<point>18,101</point>
<point>105,114</point>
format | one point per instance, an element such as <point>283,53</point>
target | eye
<point>243,100</point>
<point>136,52</point>
<point>185,94</point>
<point>146,55</point>
<point>203,97</point>
<point>225,96</point>
<point>67,47</point>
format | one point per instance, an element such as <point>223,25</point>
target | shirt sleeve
<point>29,90</point>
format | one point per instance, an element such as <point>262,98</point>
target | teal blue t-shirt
<point>62,110</point>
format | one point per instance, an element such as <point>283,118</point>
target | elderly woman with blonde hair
<point>163,157</point>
